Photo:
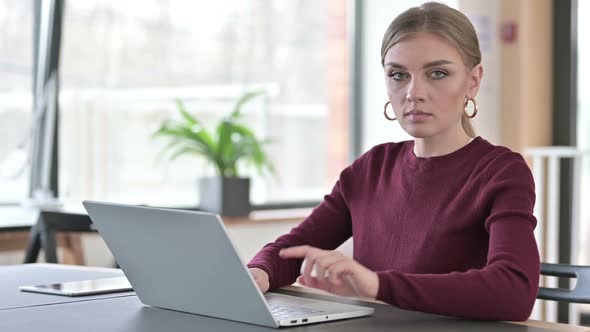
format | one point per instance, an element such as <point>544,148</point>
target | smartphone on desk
<point>84,287</point>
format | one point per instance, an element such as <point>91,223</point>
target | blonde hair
<point>444,21</point>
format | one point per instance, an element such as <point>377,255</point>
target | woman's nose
<point>415,91</point>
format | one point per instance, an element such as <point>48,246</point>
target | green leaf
<point>243,100</point>
<point>230,143</point>
<point>185,114</point>
<point>164,151</point>
<point>250,149</point>
<point>225,148</point>
<point>185,150</point>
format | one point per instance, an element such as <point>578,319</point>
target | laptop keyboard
<point>286,311</point>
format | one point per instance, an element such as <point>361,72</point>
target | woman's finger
<point>296,252</point>
<point>309,255</point>
<point>308,269</point>
<point>323,264</point>
<point>341,271</point>
<point>362,281</point>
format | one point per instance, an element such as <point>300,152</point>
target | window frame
<point>354,115</point>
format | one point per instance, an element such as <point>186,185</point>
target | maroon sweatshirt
<point>449,235</point>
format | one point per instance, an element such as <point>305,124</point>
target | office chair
<point>580,293</point>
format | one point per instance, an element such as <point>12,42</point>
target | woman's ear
<point>475,76</point>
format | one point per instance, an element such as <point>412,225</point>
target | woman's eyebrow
<point>426,65</point>
<point>437,63</point>
<point>396,65</point>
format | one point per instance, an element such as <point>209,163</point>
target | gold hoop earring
<point>467,100</point>
<point>385,112</point>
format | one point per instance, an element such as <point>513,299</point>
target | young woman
<point>441,224</point>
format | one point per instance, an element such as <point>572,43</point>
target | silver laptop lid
<point>158,250</point>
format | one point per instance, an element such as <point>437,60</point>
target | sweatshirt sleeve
<point>506,287</point>
<point>327,227</point>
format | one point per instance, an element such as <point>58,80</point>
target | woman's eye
<point>438,74</point>
<point>398,76</point>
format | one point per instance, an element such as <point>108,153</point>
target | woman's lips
<point>417,116</point>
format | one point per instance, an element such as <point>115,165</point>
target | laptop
<point>184,260</point>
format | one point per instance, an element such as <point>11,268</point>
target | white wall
<point>485,16</point>
<point>377,15</point>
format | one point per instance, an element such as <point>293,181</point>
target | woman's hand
<point>261,278</point>
<point>333,272</point>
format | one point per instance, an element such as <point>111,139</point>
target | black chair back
<point>579,294</point>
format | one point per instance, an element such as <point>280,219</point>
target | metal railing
<point>547,212</point>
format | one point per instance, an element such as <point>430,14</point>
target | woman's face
<point>427,83</point>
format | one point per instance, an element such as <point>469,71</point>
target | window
<point>16,52</point>
<point>124,62</point>
<point>583,129</point>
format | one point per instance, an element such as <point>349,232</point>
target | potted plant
<point>230,144</point>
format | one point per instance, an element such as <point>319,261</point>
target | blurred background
<point>120,65</point>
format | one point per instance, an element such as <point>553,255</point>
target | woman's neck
<point>441,144</point>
